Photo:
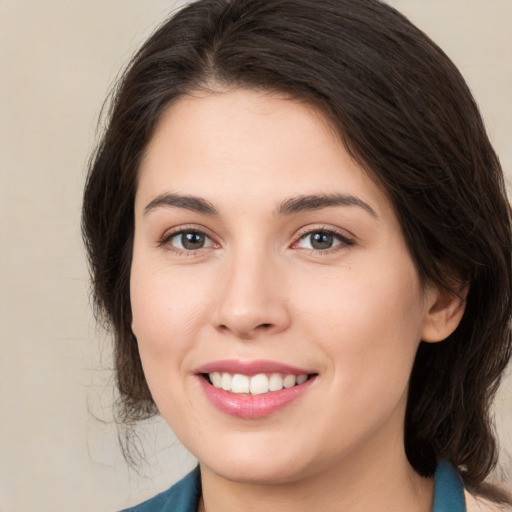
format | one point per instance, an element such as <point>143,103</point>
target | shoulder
<point>476,504</point>
<point>181,497</point>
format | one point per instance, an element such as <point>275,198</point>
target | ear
<point>443,312</point>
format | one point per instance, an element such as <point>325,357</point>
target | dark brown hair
<point>404,112</point>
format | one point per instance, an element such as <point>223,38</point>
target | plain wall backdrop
<point>58,58</point>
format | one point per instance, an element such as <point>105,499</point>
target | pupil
<point>192,240</point>
<point>321,241</point>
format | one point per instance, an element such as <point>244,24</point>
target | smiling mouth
<point>259,384</point>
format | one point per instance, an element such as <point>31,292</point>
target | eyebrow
<point>192,203</point>
<point>317,202</point>
<point>287,207</point>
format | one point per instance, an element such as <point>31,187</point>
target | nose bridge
<point>252,298</point>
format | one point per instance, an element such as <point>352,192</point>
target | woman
<point>298,230</point>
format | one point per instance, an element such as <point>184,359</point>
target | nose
<point>252,298</point>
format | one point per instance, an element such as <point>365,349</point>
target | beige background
<point>58,446</point>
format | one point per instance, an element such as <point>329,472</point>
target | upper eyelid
<point>169,233</point>
<point>342,233</point>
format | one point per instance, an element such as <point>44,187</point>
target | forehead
<point>248,144</point>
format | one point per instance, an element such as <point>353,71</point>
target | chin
<point>257,473</point>
<point>260,464</point>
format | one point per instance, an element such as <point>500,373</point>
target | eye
<point>188,240</point>
<point>322,240</point>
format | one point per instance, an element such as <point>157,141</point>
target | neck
<point>358,484</point>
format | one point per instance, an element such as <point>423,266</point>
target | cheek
<point>166,316</point>
<point>369,323</point>
<point>167,310</point>
<point>360,300</point>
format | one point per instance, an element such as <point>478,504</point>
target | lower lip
<point>253,406</point>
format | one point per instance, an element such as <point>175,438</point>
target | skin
<point>258,289</point>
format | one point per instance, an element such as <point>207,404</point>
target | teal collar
<point>448,490</point>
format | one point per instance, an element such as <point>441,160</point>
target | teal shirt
<point>184,495</point>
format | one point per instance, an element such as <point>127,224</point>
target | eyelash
<point>344,241</point>
<point>166,239</point>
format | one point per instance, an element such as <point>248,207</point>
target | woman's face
<point>263,256</point>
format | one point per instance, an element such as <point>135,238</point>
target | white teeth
<point>225,382</point>
<point>289,381</point>
<point>301,379</point>
<point>240,383</point>
<point>216,379</point>
<point>257,384</point>
<point>276,382</point>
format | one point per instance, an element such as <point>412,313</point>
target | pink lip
<point>252,406</point>
<point>251,367</point>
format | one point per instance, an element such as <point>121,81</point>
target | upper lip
<point>251,367</point>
